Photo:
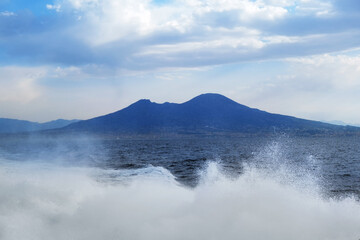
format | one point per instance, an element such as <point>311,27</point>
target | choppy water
<point>197,188</point>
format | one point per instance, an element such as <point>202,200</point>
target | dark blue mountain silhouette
<point>202,114</point>
<point>8,125</point>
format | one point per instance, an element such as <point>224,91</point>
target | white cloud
<point>57,8</point>
<point>111,20</point>
<point>235,43</point>
<point>7,14</point>
<point>316,7</point>
<point>79,4</point>
<point>48,93</point>
<point>281,3</point>
<point>341,72</point>
<point>141,34</point>
<point>321,87</point>
<point>19,84</point>
<point>247,10</point>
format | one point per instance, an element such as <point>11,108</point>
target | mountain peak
<point>208,96</point>
<point>202,98</point>
<point>141,102</point>
<point>144,101</point>
<point>211,100</point>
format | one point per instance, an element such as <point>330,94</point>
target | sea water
<point>86,187</point>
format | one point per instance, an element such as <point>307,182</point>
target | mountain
<point>8,125</point>
<point>337,122</point>
<point>59,123</point>
<point>207,113</point>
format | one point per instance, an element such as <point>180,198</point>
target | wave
<point>40,201</point>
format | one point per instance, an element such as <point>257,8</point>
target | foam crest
<point>128,176</point>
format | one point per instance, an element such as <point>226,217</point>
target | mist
<point>47,200</point>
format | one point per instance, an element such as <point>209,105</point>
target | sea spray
<point>56,202</point>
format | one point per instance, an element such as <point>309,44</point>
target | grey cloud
<point>301,25</point>
<point>51,40</point>
<point>48,48</point>
<point>223,55</point>
<point>347,5</point>
<point>226,19</point>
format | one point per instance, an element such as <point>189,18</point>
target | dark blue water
<point>335,161</point>
<point>92,187</point>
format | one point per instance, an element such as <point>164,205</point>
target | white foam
<point>38,202</point>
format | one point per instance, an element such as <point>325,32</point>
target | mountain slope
<point>204,113</point>
<point>8,125</point>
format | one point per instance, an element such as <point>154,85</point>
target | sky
<point>78,59</point>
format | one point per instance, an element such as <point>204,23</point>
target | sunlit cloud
<point>19,84</point>
<point>116,33</point>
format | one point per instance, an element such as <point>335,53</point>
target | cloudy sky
<point>84,58</point>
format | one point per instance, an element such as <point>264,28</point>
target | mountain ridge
<point>9,125</point>
<point>206,113</point>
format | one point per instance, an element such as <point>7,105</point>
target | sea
<point>87,187</point>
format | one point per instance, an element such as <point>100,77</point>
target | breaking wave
<point>53,202</point>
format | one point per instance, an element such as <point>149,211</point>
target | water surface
<point>82,187</point>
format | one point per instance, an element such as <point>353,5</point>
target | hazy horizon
<point>336,122</point>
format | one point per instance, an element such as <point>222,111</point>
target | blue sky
<point>84,58</point>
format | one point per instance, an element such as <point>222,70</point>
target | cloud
<point>347,6</point>
<point>183,33</point>
<point>7,14</point>
<point>48,93</point>
<point>320,87</point>
<point>339,72</point>
<point>18,84</point>
<point>120,50</point>
<point>57,8</point>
